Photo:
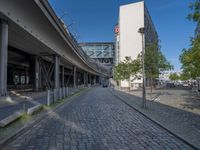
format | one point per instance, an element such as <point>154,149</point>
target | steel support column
<point>57,72</point>
<point>3,57</point>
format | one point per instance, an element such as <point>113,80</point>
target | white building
<point>164,76</point>
<point>128,40</point>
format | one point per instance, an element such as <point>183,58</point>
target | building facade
<point>102,52</point>
<point>132,17</point>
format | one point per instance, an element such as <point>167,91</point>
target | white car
<point>185,85</point>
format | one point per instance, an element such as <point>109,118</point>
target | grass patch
<point>19,123</point>
<point>11,128</point>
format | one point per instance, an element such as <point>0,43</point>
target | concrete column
<point>37,75</point>
<point>90,79</point>
<point>74,70</point>
<point>84,79</point>
<point>63,76</point>
<point>26,74</point>
<point>34,73</point>
<point>3,57</point>
<point>57,72</point>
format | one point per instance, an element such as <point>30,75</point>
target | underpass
<point>38,52</point>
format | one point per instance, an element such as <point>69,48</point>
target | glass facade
<point>101,52</point>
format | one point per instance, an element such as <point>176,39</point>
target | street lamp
<point>141,30</point>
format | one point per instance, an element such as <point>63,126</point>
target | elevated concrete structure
<point>36,33</point>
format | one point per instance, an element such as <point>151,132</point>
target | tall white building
<point>128,40</point>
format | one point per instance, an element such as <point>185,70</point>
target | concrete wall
<point>131,18</point>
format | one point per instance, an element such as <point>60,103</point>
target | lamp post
<point>141,30</point>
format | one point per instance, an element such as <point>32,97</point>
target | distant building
<point>102,52</point>
<point>128,40</point>
<point>164,76</point>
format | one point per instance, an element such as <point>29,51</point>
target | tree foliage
<point>195,14</point>
<point>190,59</point>
<point>155,61</point>
<point>174,76</point>
<point>127,69</point>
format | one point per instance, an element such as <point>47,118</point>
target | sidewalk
<point>17,101</point>
<point>180,122</point>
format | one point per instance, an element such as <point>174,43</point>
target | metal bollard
<point>67,91</point>
<point>60,93</point>
<point>48,97</point>
<point>54,95</point>
<point>63,91</point>
<point>57,92</point>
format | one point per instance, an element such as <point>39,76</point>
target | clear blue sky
<point>94,20</point>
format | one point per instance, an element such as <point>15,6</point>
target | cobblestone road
<point>96,120</point>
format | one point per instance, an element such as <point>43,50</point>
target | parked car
<point>170,85</point>
<point>185,85</point>
<point>105,84</point>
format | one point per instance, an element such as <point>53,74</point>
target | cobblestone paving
<point>7,110</point>
<point>96,121</point>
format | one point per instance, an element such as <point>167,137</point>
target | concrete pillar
<point>74,71</point>
<point>63,76</point>
<point>26,75</point>
<point>90,79</point>
<point>37,75</point>
<point>84,79</point>
<point>3,57</point>
<point>57,71</point>
<point>34,73</point>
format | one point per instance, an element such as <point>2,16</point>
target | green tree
<point>195,14</point>
<point>184,76</point>
<point>190,59</point>
<point>155,62</point>
<point>174,76</point>
<point>127,69</point>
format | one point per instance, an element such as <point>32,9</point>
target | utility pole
<point>141,30</point>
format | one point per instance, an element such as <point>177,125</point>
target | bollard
<point>63,91</point>
<point>48,97</point>
<point>67,91</point>
<point>24,107</point>
<point>60,93</point>
<point>57,94</point>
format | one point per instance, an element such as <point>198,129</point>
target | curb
<point>35,121</point>
<point>156,122</point>
<point>34,109</point>
<point>11,118</point>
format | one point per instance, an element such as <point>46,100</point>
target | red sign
<point>117,29</point>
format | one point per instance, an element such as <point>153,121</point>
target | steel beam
<point>3,57</point>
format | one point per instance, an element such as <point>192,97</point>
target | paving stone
<point>97,121</point>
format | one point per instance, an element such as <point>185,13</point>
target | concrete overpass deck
<point>32,29</point>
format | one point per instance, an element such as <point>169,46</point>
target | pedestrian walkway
<point>96,120</point>
<point>183,123</point>
<point>23,100</point>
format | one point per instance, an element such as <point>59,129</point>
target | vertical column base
<point>3,57</point>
